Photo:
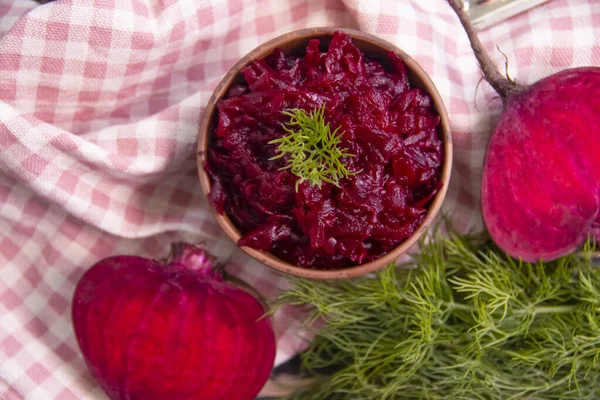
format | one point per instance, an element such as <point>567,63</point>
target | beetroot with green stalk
<point>541,176</point>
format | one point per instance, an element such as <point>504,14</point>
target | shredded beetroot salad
<point>389,127</point>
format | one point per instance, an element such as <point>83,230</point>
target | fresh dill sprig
<point>312,149</point>
<point>467,322</point>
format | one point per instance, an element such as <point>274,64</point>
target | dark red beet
<point>172,331</point>
<point>541,177</point>
<point>389,127</point>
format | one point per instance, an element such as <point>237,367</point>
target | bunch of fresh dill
<point>467,322</point>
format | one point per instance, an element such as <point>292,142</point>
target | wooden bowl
<point>295,43</point>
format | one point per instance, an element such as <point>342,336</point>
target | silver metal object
<point>485,13</point>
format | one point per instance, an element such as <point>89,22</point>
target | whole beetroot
<point>541,176</point>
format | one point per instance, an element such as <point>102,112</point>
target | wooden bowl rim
<point>267,258</point>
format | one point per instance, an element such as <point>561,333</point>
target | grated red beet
<point>390,127</point>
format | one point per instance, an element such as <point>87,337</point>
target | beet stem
<point>501,84</point>
<point>191,257</point>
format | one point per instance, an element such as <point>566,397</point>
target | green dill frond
<point>466,322</point>
<point>311,149</point>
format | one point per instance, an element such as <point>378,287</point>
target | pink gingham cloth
<point>99,109</point>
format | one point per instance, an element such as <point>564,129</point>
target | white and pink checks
<point>99,107</point>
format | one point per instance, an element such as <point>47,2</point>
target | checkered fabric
<point>99,109</point>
